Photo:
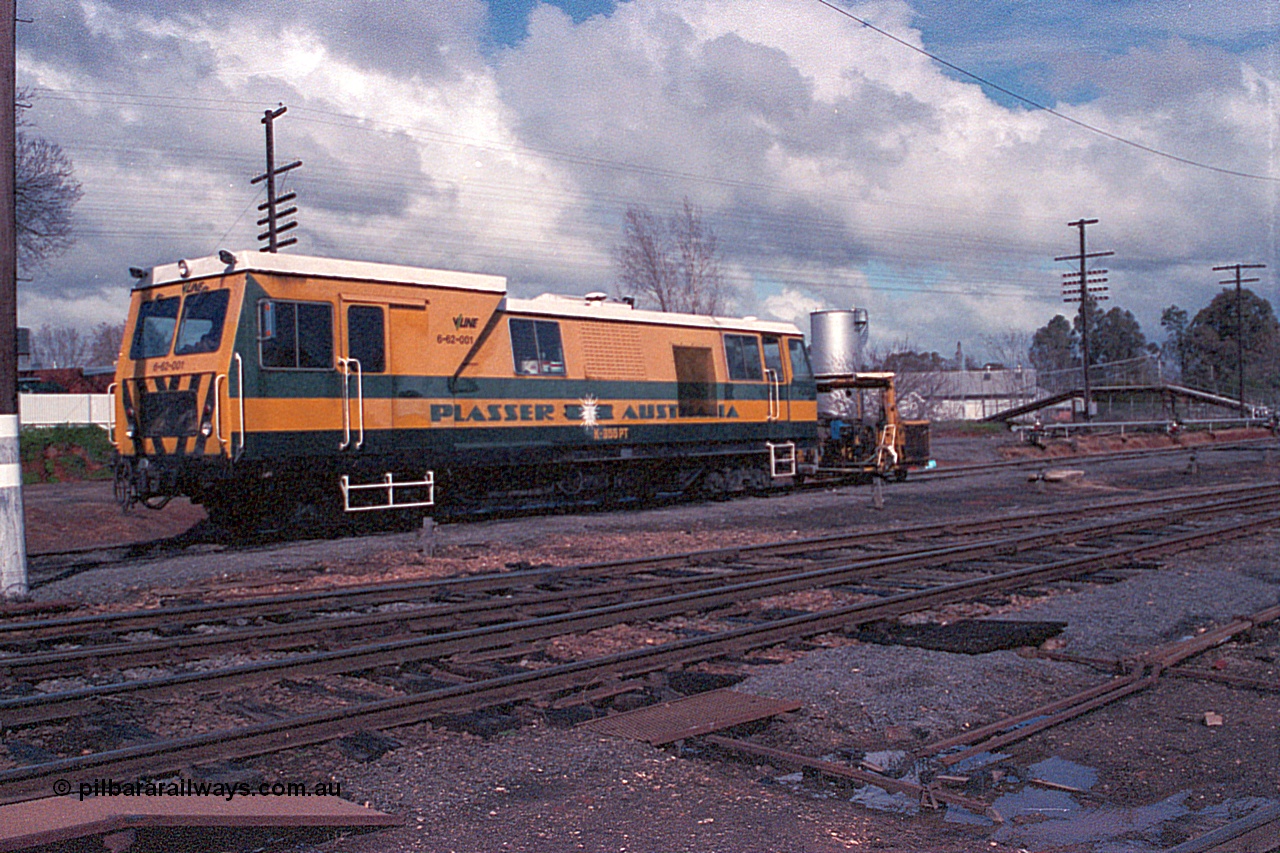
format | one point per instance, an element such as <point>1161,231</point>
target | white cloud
<point>837,167</point>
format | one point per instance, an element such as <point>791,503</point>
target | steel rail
<point>494,612</point>
<point>44,707</point>
<point>412,590</point>
<point>926,794</point>
<point>319,727</point>
<point>51,566</point>
<point>1143,671</point>
<point>951,471</point>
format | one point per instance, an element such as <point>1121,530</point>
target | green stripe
<point>444,445</point>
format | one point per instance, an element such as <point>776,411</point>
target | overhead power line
<point>1046,108</point>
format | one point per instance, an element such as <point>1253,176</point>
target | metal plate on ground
<point>702,714</point>
<point>967,636</point>
<point>55,819</point>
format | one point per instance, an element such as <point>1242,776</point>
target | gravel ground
<point>1190,591</point>
<point>537,787</point>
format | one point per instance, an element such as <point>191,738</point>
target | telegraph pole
<point>1086,290</point>
<point>1240,323</point>
<point>13,541</point>
<point>271,205</point>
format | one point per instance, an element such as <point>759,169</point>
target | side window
<point>742,354</point>
<point>295,335</point>
<point>315,335</point>
<point>202,317</point>
<point>799,359</point>
<point>365,339</point>
<point>535,347</point>
<point>773,356</point>
<point>154,332</point>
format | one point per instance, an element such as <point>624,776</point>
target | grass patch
<point>64,453</point>
<point>963,428</point>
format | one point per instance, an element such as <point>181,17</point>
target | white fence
<point>64,409</point>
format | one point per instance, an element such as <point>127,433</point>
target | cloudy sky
<point>838,166</point>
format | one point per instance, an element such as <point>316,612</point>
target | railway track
<point>457,590</point>
<point>51,566</point>
<point>488,598</point>
<point>1158,531</point>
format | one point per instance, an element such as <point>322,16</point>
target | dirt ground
<point>527,780</point>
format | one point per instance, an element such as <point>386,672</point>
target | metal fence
<point>65,409</point>
<point>1144,370</point>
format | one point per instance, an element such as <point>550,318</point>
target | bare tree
<point>921,378</point>
<point>45,190</point>
<point>673,262</point>
<point>59,346</point>
<point>1008,348</point>
<point>104,343</point>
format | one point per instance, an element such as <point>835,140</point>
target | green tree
<point>1174,321</point>
<point>1115,336</point>
<point>1053,346</point>
<point>910,361</point>
<point>1210,349</point>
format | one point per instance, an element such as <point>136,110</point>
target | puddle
<point>1110,829</point>
<point>881,800</point>
<point>1063,772</point>
<point>1041,817</point>
<point>974,762</point>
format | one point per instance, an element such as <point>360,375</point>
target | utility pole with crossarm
<point>1240,324</point>
<point>1084,287</point>
<point>274,215</point>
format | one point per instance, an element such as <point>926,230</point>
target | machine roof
<point>282,264</point>
<point>555,305</point>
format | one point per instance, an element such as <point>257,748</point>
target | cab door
<point>362,369</point>
<point>776,377</point>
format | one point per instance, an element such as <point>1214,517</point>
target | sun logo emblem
<point>590,411</point>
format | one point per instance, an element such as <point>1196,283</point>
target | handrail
<point>240,396</point>
<point>359,399</point>
<point>887,447</point>
<point>346,401</point>
<point>346,404</point>
<point>218,379</point>
<point>111,426</point>
<point>775,394</point>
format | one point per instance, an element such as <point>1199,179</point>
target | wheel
<point>122,485</point>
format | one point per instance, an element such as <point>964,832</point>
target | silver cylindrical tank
<point>837,341</point>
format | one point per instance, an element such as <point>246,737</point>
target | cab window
<point>154,332</point>
<point>295,335</point>
<point>535,348</point>
<point>742,355</point>
<point>201,327</point>
<point>773,357</point>
<point>799,360</point>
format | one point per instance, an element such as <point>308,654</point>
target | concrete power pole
<point>13,544</point>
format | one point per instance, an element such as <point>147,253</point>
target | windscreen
<point>154,332</point>
<point>202,319</point>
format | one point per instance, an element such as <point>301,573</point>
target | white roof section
<point>555,305</point>
<point>304,265</point>
<point>548,304</point>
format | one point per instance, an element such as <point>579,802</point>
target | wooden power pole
<point>13,544</point>
<point>1240,325</point>
<point>1084,287</point>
